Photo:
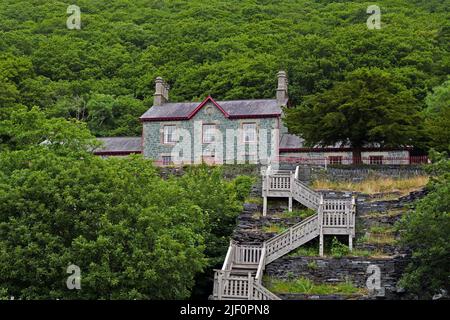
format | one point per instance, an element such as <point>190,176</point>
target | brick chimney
<point>161,95</point>
<point>282,90</point>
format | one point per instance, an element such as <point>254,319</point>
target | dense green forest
<point>103,74</point>
<point>138,236</point>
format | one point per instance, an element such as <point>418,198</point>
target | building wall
<point>154,148</point>
<point>389,157</point>
<point>319,158</point>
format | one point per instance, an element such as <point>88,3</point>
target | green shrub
<point>363,253</point>
<point>381,229</point>
<point>426,231</point>
<point>305,213</point>
<point>243,186</point>
<point>290,275</point>
<point>312,265</point>
<point>306,286</point>
<point>274,228</point>
<point>254,200</point>
<point>338,249</point>
<point>304,251</point>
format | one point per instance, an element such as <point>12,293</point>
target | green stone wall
<point>209,114</point>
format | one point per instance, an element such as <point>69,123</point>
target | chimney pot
<point>282,90</point>
<point>161,95</point>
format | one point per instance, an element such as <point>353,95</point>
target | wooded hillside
<point>104,73</point>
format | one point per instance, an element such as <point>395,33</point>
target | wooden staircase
<point>241,275</point>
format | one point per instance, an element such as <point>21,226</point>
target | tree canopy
<point>103,74</point>
<point>370,106</point>
<point>437,117</point>
<point>133,234</point>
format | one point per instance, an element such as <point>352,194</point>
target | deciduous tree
<point>371,106</point>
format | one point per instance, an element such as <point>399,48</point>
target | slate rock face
<point>363,205</point>
<point>329,270</point>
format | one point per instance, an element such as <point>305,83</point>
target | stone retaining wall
<point>355,174</point>
<point>332,270</point>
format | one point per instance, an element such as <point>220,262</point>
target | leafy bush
<point>243,186</point>
<point>305,251</point>
<point>306,286</point>
<point>312,265</point>
<point>426,231</point>
<point>338,249</point>
<point>133,234</point>
<point>274,228</point>
<point>219,199</point>
<point>305,213</point>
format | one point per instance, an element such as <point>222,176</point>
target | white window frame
<point>164,163</point>
<point>173,134</point>
<point>332,160</point>
<point>376,159</point>
<point>244,132</point>
<point>212,135</point>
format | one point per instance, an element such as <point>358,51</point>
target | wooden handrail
<point>261,264</point>
<point>261,293</point>
<point>285,232</point>
<point>291,238</point>
<point>229,257</point>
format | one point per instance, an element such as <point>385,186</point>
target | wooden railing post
<point>352,222</point>
<point>219,285</point>
<point>353,212</point>
<point>215,285</point>
<point>320,221</point>
<point>348,216</point>
<point>291,182</point>
<point>290,237</point>
<point>229,258</point>
<point>250,286</point>
<point>266,189</point>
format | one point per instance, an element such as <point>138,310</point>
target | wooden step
<point>245,266</point>
<point>244,269</point>
<point>242,272</point>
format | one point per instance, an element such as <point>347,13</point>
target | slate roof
<point>232,109</point>
<point>291,141</point>
<point>121,145</point>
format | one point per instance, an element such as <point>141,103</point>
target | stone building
<point>233,131</point>
<point>210,131</point>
